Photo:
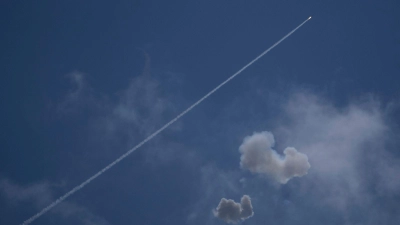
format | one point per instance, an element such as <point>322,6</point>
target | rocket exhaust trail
<point>77,188</point>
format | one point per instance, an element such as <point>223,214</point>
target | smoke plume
<point>234,212</point>
<point>259,157</point>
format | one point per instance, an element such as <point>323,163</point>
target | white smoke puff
<point>234,212</point>
<point>259,157</point>
<point>247,208</point>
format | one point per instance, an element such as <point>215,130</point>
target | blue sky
<point>85,81</point>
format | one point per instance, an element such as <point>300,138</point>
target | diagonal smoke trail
<point>77,188</point>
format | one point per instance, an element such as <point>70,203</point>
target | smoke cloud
<point>348,149</point>
<point>234,212</point>
<point>259,157</point>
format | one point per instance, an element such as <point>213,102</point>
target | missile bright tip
<point>309,17</point>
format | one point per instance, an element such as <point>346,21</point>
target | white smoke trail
<point>77,188</point>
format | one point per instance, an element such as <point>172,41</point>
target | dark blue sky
<point>84,81</point>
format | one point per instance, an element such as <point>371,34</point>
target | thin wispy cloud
<point>346,146</point>
<point>41,194</point>
<point>79,97</point>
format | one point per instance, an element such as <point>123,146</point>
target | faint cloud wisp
<point>40,194</point>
